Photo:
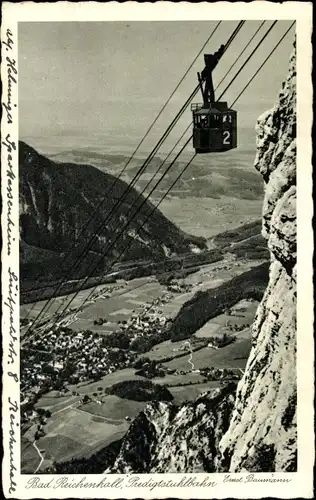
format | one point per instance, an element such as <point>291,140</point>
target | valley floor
<point>76,429</point>
<point>194,214</point>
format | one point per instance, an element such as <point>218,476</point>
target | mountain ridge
<point>58,199</point>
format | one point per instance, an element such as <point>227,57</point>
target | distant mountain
<point>58,199</point>
<point>210,177</point>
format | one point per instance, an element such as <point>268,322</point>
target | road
<point>107,420</point>
<point>71,405</point>
<point>76,403</point>
<point>40,456</point>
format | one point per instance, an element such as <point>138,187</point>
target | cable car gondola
<point>214,123</point>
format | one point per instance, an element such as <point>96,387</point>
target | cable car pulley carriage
<point>214,124</point>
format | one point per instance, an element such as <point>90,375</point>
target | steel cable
<point>69,253</point>
<point>239,95</point>
<point>237,29</point>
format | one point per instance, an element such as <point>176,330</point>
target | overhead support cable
<point>241,53</point>
<point>248,58</point>
<point>233,103</point>
<point>237,98</point>
<point>105,197</point>
<point>264,62</point>
<point>238,72</point>
<point>138,174</point>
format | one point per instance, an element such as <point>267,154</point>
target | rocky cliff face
<point>262,432</point>
<point>256,430</point>
<point>170,438</point>
<point>58,199</point>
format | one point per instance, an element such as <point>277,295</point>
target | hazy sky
<point>110,79</point>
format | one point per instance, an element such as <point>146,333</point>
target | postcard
<point>157,251</point>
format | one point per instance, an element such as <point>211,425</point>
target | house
<point>213,346</point>
<point>171,371</point>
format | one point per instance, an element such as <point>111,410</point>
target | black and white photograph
<point>157,253</point>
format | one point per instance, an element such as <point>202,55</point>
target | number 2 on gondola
<point>226,137</point>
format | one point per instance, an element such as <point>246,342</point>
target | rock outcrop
<point>170,438</point>
<point>256,430</point>
<point>262,433</point>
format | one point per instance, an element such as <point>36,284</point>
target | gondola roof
<point>213,110</point>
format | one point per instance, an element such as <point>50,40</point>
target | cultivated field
<point>214,327</point>
<point>29,457</point>
<point>87,324</point>
<point>167,349</point>
<point>78,430</point>
<point>178,379</point>
<point>242,314</point>
<point>231,356</point>
<point>142,290</point>
<point>74,432</point>
<point>114,409</point>
<point>207,216</point>
<point>107,381</point>
<point>191,392</point>
<point>119,307</point>
<point>55,404</point>
<point>37,306</point>
<point>58,404</point>
<point>52,398</point>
